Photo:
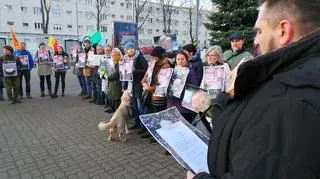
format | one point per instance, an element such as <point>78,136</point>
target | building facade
<point>70,20</point>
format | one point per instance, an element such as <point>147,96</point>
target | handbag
<point>146,98</point>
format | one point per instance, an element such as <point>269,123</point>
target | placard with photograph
<point>195,99</point>
<point>125,69</point>
<point>9,69</point>
<point>43,56</point>
<point>178,81</point>
<point>58,63</point>
<point>164,77</point>
<point>213,80</point>
<point>24,59</point>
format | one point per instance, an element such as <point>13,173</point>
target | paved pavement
<point>59,138</point>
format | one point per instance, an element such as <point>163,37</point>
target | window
<point>149,31</point>
<point>128,5</point>
<point>158,20</point>
<point>150,20</point>
<point>69,26</point>
<point>121,16</point>
<point>69,12</point>
<point>25,24</point>
<point>121,4</point>
<point>140,19</point>
<point>104,16</point>
<point>24,9</point>
<point>38,25</point>
<point>176,23</point>
<point>90,27</point>
<point>36,10</point>
<point>141,30</point>
<point>113,2</point>
<point>10,22</point>
<point>80,13</point>
<point>113,16</point>
<point>80,26</point>
<point>89,15</point>
<point>184,23</point>
<point>9,7</point>
<point>157,30</point>
<point>57,27</point>
<point>103,28</point>
<point>88,2</point>
<point>185,32</point>
<point>129,18</point>
<point>56,12</point>
<point>158,9</point>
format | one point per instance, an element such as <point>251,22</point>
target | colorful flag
<point>50,41</point>
<point>15,42</point>
<point>55,46</point>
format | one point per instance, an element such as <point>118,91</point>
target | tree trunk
<point>190,23</point>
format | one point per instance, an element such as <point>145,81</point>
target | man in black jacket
<point>270,129</point>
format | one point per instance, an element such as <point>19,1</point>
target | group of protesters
<point>103,87</point>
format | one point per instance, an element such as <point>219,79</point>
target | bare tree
<point>45,12</point>
<point>190,24</point>
<point>139,9</point>
<point>100,4</point>
<point>168,9</point>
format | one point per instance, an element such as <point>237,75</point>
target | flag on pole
<point>15,42</point>
<point>50,42</point>
<point>55,46</point>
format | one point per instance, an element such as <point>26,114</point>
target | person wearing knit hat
<point>140,66</point>
<point>237,51</point>
<point>158,52</point>
<point>10,66</point>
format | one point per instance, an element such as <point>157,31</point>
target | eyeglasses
<point>213,55</point>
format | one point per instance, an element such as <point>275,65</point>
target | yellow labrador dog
<point>118,124</point>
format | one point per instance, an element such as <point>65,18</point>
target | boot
<point>50,93</point>
<point>42,94</point>
<point>62,94</point>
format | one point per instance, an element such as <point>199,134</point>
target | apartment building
<point>72,19</point>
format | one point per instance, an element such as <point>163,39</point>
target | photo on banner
<point>94,60</point>
<point>214,79</point>
<point>174,133</point>
<point>125,69</point>
<point>9,69</point>
<point>24,59</point>
<point>58,62</point>
<point>195,99</point>
<point>151,65</point>
<point>108,64</point>
<point>44,56</point>
<point>178,81</point>
<point>82,60</point>
<point>164,77</point>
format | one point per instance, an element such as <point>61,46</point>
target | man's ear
<point>286,32</point>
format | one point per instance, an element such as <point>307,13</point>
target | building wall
<point>69,18</point>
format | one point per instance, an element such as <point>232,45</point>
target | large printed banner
<point>124,32</point>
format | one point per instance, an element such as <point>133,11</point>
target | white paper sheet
<point>187,145</point>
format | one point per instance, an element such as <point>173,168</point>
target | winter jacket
<point>27,53</point>
<point>45,68</point>
<point>270,129</point>
<point>160,64</point>
<point>114,84</point>
<point>9,58</point>
<point>195,63</point>
<point>140,67</point>
<point>233,58</point>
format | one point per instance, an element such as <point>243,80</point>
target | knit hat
<point>158,52</point>
<point>130,45</point>
<point>236,36</point>
<point>8,47</point>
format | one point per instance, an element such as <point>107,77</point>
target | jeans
<point>48,79</point>
<point>12,83</point>
<point>100,94</point>
<point>94,90</point>
<point>26,75</point>
<point>88,85</point>
<point>82,83</point>
<point>59,74</point>
<point>137,109</point>
<point>1,93</point>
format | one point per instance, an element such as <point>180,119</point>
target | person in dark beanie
<point>149,83</point>
<point>195,62</point>
<point>10,69</point>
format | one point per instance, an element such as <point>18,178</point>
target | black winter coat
<point>270,130</point>
<point>140,68</point>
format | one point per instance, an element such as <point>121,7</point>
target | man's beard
<point>270,47</point>
<point>237,49</point>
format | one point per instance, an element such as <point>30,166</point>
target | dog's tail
<point>103,126</point>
